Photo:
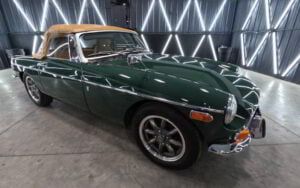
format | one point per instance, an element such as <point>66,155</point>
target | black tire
<point>42,99</point>
<point>192,141</point>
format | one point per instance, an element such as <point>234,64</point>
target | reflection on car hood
<point>240,86</point>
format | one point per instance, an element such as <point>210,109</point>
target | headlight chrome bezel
<point>230,110</point>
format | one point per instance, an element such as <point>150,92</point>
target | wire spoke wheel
<point>32,89</point>
<point>162,138</point>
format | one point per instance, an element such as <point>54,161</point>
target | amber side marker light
<point>241,136</point>
<point>201,116</point>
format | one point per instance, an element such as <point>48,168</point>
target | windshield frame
<point>87,59</point>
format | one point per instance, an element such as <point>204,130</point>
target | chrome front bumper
<point>229,148</point>
<point>257,128</point>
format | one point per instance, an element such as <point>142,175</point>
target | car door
<point>60,75</point>
<point>111,87</point>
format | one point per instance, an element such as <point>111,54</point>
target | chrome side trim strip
<point>158,98</point>
<point>207,109</point>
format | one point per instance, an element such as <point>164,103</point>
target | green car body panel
<point>111,87</point>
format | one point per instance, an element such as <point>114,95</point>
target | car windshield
<point>106,43</point>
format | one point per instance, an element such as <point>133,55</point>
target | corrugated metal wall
<point>15,32</point>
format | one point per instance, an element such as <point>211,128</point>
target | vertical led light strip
<point>148,15</point>
<point>212,25</point>
<point>165,15</point>
<point>198,46</point>
<point>274,50</point>
<point>263,40</point>
<point>179,45</point>
<point>168,24</point>
<point>210,40</point>
<point>25,15</point>
<point>166,44</point>
<point>187,6</point>
<point>60,12</point>
<point>34,44</point>
<point>292,65</point>
<point>212,47</point>
<point>81,11</point>
<point>45,11</point>
<point>98,12</point>
<point>259,47</point>
<point>267,14</point>
<point>145,42</point>
<point>249,14</point>
<point>202,26</point>
<point>242,49</point>
<point>287,8</point>
<point>199,15</point>
<point>146,22</point>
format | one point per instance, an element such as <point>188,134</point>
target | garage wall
<point>16,31</point>
<point>283,61</point>
<point>4,42</point>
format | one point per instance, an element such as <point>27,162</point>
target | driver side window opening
<point>59,48</point>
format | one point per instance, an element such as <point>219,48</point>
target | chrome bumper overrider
<point>257,128</point>
<point>229,148</point>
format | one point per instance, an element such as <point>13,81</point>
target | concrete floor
<point>60,146</point>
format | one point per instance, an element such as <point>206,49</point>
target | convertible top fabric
<point>64,29</point>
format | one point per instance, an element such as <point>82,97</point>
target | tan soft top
<point>64,29</point>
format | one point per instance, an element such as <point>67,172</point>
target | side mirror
<point>134,59</point>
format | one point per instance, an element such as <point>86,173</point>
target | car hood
<point>221,76</point>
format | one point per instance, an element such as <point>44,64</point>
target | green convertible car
<point>177,107</point>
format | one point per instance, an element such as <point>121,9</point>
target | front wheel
<point>35,94</point>
<point>166,137</point>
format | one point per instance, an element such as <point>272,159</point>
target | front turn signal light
<point>201,116</point>
<point>243,135</point>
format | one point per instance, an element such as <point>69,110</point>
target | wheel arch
<point>21,74</point>
<point>133,109</point>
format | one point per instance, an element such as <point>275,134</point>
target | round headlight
<point>231,109</point>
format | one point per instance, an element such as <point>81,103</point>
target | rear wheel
<point>166,137</point>
<point>35,94</point>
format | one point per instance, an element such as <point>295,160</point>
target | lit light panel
<point>271,32</point>
<point>166,44</point>
<point>81,11</point>
<point>145,42</point>
<point>98,12</point>
<point>165,15</point>
<point>179,45</point>
<point>274,53</point>
<point>148,15</point>
<point>292,65</point>
<point>198,46</point>
<point>183,15</point>
<point>242,49</point>
<point>45,11</point>
<point>60,12</point>
<point>24,15</point>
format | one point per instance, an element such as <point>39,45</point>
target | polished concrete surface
<point>60,146</point>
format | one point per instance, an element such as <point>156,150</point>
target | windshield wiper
<point>132,50</point>
<point>127,50</point>
<point>101,53</point>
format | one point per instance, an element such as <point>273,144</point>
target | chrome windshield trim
<point>79,47</point>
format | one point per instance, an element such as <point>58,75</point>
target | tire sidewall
<point>26,87</point>
<point>193,142</point>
